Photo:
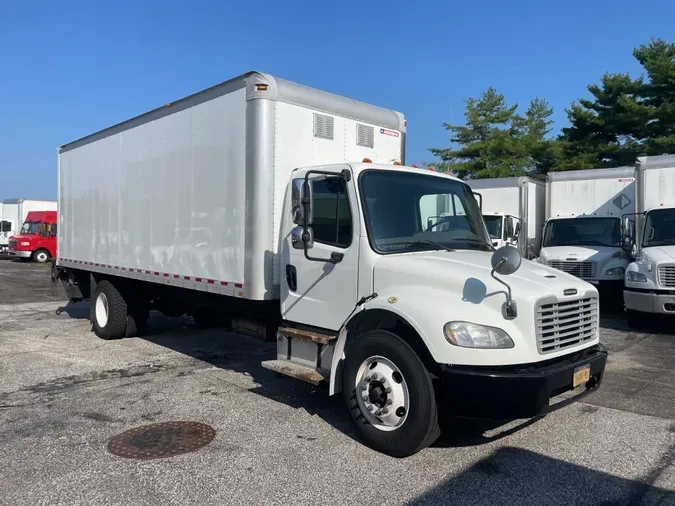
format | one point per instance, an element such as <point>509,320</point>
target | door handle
<point>291,277</point>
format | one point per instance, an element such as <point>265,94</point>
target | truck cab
<point>650,277</point>
<point>503,229</point>
<point>413,251</point>
<point>588,247</point>
<point>37,239</point>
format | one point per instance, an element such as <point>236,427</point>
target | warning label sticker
<point>391,133</point>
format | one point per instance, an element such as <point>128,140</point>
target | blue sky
<point>70,68</point>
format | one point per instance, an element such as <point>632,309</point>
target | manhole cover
<point>161,440</point>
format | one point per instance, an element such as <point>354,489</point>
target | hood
<point>660,254</point>
<point>578,253</point>
<point>21,237</point>
<point>469,273</point>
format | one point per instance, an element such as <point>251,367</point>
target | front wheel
<point>389,394</point>
<point>41,256</point>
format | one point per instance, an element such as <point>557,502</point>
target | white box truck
<point>513,210</point>
<point>582,234</point>
<point>243,201</point>
<point>650,277</point>
<point>13,214</point>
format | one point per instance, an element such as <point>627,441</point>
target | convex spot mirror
<point>506,260</point>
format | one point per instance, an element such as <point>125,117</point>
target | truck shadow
<point>227,350</point>
<point>517,476</point>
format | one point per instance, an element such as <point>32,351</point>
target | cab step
<point>306,335</point>
<point>296,371</point>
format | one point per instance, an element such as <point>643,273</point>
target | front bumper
<point>648,301</point>
<point>521,391</point>
<point>20,254</point>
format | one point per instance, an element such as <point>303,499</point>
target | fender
<point>382,302</point>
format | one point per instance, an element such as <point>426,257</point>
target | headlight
<point>470,335</point>
<point>616,271</point>
<point>25,243</point>
<point>637,277</point>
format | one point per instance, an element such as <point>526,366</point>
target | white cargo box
<point>603,192</point>
<point>191,194</point>
<point>655,182</point>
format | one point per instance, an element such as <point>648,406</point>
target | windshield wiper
<point>419,243</point>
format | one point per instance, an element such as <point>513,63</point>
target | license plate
<point>581,375</point>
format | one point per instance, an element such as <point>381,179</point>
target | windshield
<point>409,212</point>
<point>30,227</point>
<point>659,228</point>
<point>494,226</point>
<point>604,231</point>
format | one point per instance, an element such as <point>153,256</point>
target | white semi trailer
<point>513,210</point>
<point>650,277</point>
<point>244,201</point>
<point>582,235</point>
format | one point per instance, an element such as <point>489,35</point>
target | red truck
<point>37,239</point>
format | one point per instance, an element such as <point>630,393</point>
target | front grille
<point>666,276</point>
<point>583,270</point>
<point>564,324</point>
<point>12,244</point>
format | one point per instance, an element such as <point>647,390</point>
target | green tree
<point>496,141</point>
<point>625,117</point>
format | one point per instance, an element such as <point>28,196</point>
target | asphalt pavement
<point>64,393</point>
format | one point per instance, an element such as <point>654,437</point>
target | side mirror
<point>302,202</point>
<point>301,239</point>
<point>516,232</point>
<point>626,243</point>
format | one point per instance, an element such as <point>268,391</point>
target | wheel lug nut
<point>374,375</point>
<point>389,402</point>
<point>367,378</point>
<point>364,386</point>
<point>364,398</point>
<point>370,408</point>
<point>378,412</point>
<point>385,410</point>
<point>388,390</point>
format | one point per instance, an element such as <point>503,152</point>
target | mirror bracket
<point>307,236</point>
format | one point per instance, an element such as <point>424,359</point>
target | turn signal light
<point>367,160</point>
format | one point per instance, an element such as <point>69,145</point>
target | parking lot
<point>64,393</point>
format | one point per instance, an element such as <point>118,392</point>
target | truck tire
<point>41,256</point>
<point>109,311</point>
<point>389,394</point>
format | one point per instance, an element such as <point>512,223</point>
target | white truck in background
<point>13,213</point>
<point>334,260</point>
<point>650,237</point>
<point>513,210</point>
<point>582,235</point>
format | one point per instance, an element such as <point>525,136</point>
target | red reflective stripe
<point>210,281</point>
<point>238,285</point>
<point>224,283</point>
<point>198,279</point>
<point>187,277</point>
<point>176,276</point>
<point>166,275</point>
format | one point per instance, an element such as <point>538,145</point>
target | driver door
<point>315,291</point>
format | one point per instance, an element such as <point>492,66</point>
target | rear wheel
<point>389,394</point>
<point>108,311</point>
<point>41,256</point>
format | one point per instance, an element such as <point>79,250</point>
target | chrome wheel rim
<point>101,310</point>
<point>382,393</point>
